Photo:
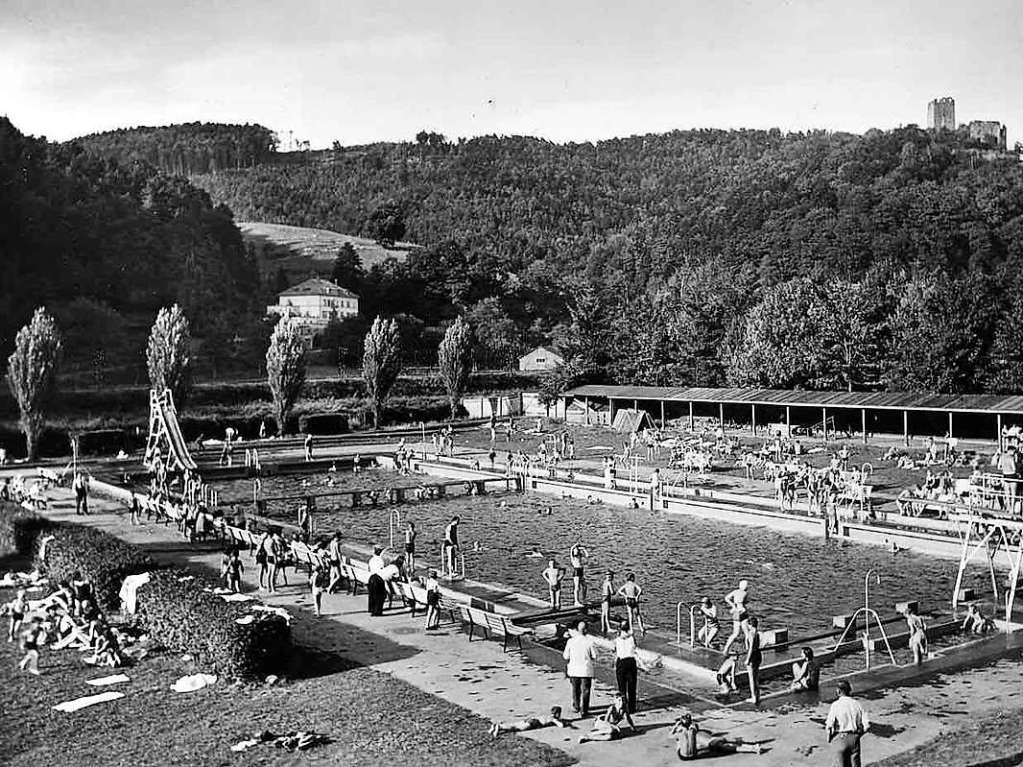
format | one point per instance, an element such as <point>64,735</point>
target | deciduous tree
<point>168,357</point>
<point>454,357</point>
<point>285,369</point>
<point>31,373</point>
<point>381,362</point>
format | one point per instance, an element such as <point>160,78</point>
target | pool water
<point>796,582</point>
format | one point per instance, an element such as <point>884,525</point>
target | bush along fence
<point>177,609</point>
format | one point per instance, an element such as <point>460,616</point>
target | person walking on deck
<point>580,654</point>
<point>736,601</point>
<point>845,726</point>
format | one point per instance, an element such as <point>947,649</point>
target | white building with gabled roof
<point>313,302</point>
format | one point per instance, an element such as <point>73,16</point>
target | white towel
<point>103,681</point>
<point>235,597</point>
<point>129,591</point>
<point>193,682</point>
<point>74,705</point>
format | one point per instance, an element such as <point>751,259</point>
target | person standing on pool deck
<point>580,655</point>
<point>607,591</point>
<point>553,575</point>
<point>626,670</point>
<point>451,545</point>
<point>736,601</point>
<point>754,657</point>
<point>410,547</point>
<point>632,592</point>
<point>845,725</point>
<point>577,556</point>
<point>307,446</point>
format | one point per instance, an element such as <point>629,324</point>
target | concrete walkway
<point>505,687</point>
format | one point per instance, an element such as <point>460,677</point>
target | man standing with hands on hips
<point>580,655</point>
<point>846,723</point>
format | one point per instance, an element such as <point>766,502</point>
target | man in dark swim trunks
<point>532,723</point>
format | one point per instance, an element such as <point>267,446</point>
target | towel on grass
<point>235,597</point>
<point>74,705</point>
<point>193,682</point>
<point>129,591</point>
<point>105,680</point>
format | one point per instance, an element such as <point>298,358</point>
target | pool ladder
<point>692,623</point>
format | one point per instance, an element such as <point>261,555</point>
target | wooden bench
<point>489,622</point>
<point>414,596</point>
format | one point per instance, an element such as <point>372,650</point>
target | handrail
<point>678,623</point>
<point>692,623</point>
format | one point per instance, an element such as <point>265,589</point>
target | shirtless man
<point>553,575</point>
<point>607,591</point>
<point>451,545</point>
<point>692,742</point>
<point>632,592</point>
<point>736,601</point>
<point>578,556</point>
<point>711,626</point>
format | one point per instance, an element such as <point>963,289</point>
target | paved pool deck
<point>507,686</point>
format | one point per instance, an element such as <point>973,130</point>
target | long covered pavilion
<point>969,416</point>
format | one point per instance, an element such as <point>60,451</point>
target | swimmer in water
<point>632,592</point>
<point>535,554</point>
<point>553,575</point>
<point>736,601</point>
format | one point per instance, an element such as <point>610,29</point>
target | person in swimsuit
<point>976,622</point>
<point>754,657</point>
<point>410,546</point>
<point>806,674</point>
<point>451,546</point>
<point>532,723</point>
<point>607,591</point>
<point>263,554</point>
<point>917,634</point>
<point>608,726</point>
<point>736,601</point>
<point>334,558</point>
<point>632,592</point>
<point>578,556</point>
<point>725,675</point>
<point>232,570</point>
<point>318,582</point>
<point>31,639</point>
<point>553,575</point>
<point>16,610</point>
<point>692,742</point>
<point>432,601</point>
<point>711,626</point>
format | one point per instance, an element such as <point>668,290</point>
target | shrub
<point>19,529</point>
<point>183,617</point>
<point>105,561</point>
<point>323,423</point>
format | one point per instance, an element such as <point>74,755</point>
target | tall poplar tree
<point>167,354</point>
<point>285,369</point>
<point>381,362</point>
<point>31,373</point>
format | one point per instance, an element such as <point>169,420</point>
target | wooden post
<point>905,427</point>
<point>611,410</point>
<point>788,422</point>
<point>824,422</point>
<point>863,424</point>
<point>721,414</point>
<point>586,410</point>
<point>662,414</point>
<point>753,418</point>
<point>998,438</point>
<point>950,434</point>
<point>692,423</point>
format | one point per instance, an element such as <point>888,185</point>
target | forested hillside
<point>103,245</point>
<point>681,257</point>
<point>188,148</point>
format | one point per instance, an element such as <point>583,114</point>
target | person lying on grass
<point>532,723</point>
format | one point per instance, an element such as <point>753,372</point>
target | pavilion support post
<point>905,427</point>
<point>950,424</point>
<point>788,422</point>
<point>692,422</point>
<point>586,410</point>
<point>721,414</point>
<point>863,424</point>
<point>753,418</point>
<point>635,404</point>
<point>663,421</point>
<point>998,437</point>
<point>611,410</point>
<point>824,422</point>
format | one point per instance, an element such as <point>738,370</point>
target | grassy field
<point>370,717</point>
<point>312,248</point>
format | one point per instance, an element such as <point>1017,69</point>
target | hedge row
<point>179,614</point>
<point>188,619</point>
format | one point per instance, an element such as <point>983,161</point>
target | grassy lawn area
<point>370,717</point>
<point>992,741</point>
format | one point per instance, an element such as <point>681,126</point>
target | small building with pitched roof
<point>313,302</point>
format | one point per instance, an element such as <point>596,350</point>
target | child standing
<point>30,641</point>
<point>16,611</point>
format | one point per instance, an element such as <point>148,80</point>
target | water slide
<point>169,416</point>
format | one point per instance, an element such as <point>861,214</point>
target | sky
<point>357,71</point>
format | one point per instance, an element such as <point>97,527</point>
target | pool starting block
<point>901,607</point>
<point>966,595</point>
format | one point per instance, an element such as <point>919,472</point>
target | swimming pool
<point>797,582</point>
